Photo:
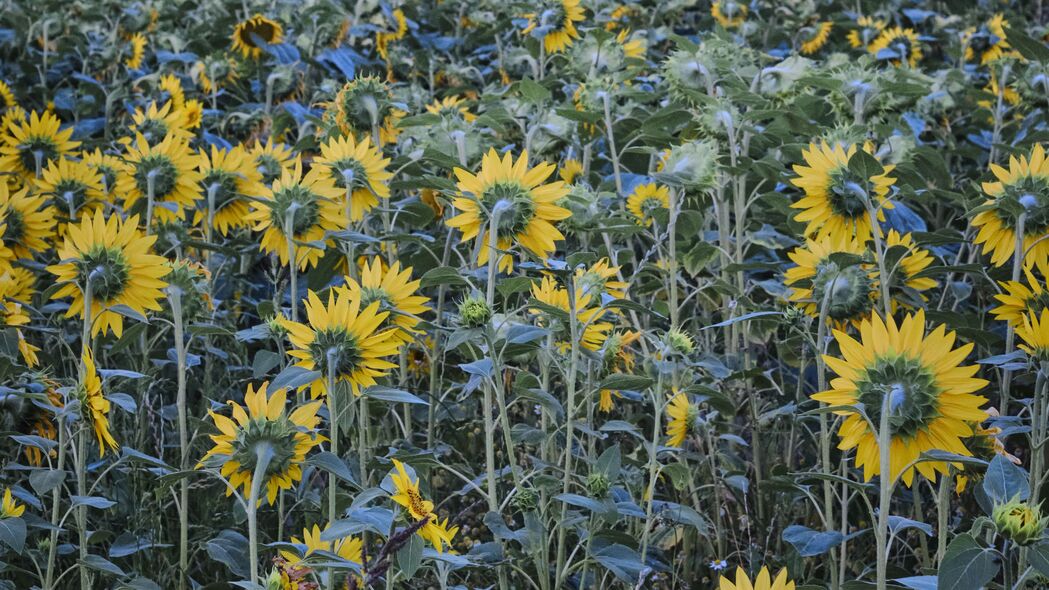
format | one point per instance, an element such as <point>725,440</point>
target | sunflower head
<point>9,508</point>
<point>898,45</point>
<point>1019,196</point>
<point>474,312</point>
<point>763,581</point>
<point>682,417</point>
<point>1020,522</point>
<point>29,144</point>
<point>94,406</point>
<point>645,200</point>
<point>359,170</point>
<point>554,22</point>
<point>405,492</point>
<point>1034,335</point>
<point>271,159</point>
<point>359,105</point>
<point>730,14</point>
<point>250,36</point>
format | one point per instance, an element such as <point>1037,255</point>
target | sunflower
<point>257,30</point>
<point>359,170</point>
<point>1019,299</point>
<point>9,508</point>
<point>600,280</point>
<point>395,291</point>
<point>74,189</point>
<point>348,548</point>
<point>830,270</point>
<point>682,415</point>
<point>156,124</point>
<point>764,581</point>
<point>989,42</point>
<point>193,114</point>
<point>28,144</point>
<point>27,223</point>
<point>108,166</point>
<point>1022,191</point>
<point>7,98</point>
<point>595,332</point>
<point>406,493</point>
<point>94,405</point>
<point>931,401</point>
<point>834,202</point>
<point>360,105</point>
<point>451,107</point>
<point>171,85</point>
<point>555,20</point>
<point>869,29</point>
<point>1009,96</point>
<point>169,168</point>
<point>899,45</point>
<point>645,199</point>
<point>264,429</point>
<point>818,35</point>
<point>384,38</point>
<point>527,206</point>
<point>730,14</point>
<point>228,180</point>
<point>41,422</point>
<point>271,158</point>
<point>617,357</point>
<point>311,204</point>
<point>118,261</point>
<point>570,170</point>
<point>344,339</point>
<point>16,292</point>
<point>910,261</point>
<point>1034,332</point>
<point>136,51</point>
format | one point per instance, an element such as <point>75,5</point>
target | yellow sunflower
<point>830,269</point>
<point>1021,192</point>
<point>1019,299</point>
<point>73,187</point>
<point>118,261</point>
<point>930,397</point>
<point>384,38</point>
<point>26,223</point>
<point>899,45</point>
<point>681,418</point>
<point>834,201</point>
<point>348,548</point>
<point>167,169</point>
<point>171,85</point>
<point>110,167</point>
<point>910,260</point>
<point>645,199</point>
<point>395,291</point>
<point>7,97</point>
<point>344,339</point>
<point>616,357</point>
<point>136,51</point>
<point>452,107</point>
<point>730,14</point>
<point>271,158</point>
<point>228,179</point>
<point>94,405</point>
<point>310,204</point>
<point>359,170</point>
<point>16,293</point>
<point>869,29</point>
<point>526,206</point>
<point>599,280</point>
<point>1034,332</point>
<point>555,20</point>
<point>257,30</point>
<point>9,508</point>
<point>41,422</point>
<point>155,124</point>
<point>266,429</point>
<point>595,331</point>
<point>406,493</point>
<point>817,36</point>
<point>570,170</point>
<point>764,581</point>
<point>989,42</point>
<point>29,144</point>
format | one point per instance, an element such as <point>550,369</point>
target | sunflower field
<point>538,295</point>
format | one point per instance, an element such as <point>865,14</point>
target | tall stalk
<point>263,455</point>
<point>175,297</point>
<point>570,381</point>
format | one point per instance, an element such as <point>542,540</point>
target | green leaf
<point>410,556</point>
<point>810,543</point>
<point>864,165</point>
<point>1038,555</point>
<point>442,275</point>
<point>532,91</point>
<point>12,533</point>
<point>97,562</point>
<point>1005,481</point>
<point>967,565</point>
<point>389,394</point>
<point>334,465</point>
<point>1030,48</point>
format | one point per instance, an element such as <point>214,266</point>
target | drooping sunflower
<point>344,339</point>
<point>168,169</point>
<point>29,144</point>
<point>831,270</point>
<point>1034,332</point>
<point>265,429</point>
<point>155,123</point>
<point>395,291</point>
<point>834,201</point>
<point>681,418</point>
<point>555,20</point>
<point>898,45</point>
<point>989,42</point>
<point>171,86</point>
<point>94,405</point>
<point>1019,299</point>
<point>645,199</point>
<point>930,396</point>
<point>406,493</point>
<point>816,37</point>
<point>1019,193</point>
<point>271,158</point>
<point>9,508</point>
<point>251,35</point>
<point>228,179</point>
<point>384,38</point>
<point>868,30</point>
<point>730,14</point>
<point>118,260</point>
<point>310,204</point>
<point>526,207</point>
<point>26,223</point>
<point>348,548</point>
<point>136,51</point>
<point>587,313</point>
<point>73,188</point>
<point>16,292</point>
<point>763,581</point>
<point>359,170</point>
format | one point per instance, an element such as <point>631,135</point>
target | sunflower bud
<point>598,485</point>
<point>526,499</point>
<point>690,166</point>
<point>1019,521</point>
<point>474,312</point>
<point>680,342</point>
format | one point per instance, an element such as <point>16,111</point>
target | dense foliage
<point>551,294</point>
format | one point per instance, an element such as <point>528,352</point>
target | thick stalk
<point>293,262</point>
<point>885,481</point>
<point>263,454</point>
<point>1010,331</point>
<point>570,380</point>
<point>175,296</point>
<point>613,153</point>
